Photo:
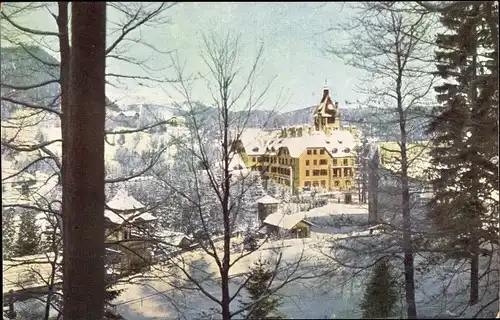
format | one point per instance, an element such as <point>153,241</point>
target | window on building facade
<point>323,183</point>
<point>335,173</point>
<point>315,172</point>
<point>322,151</point>
<point>315,184</point>
<point>323,161</point>
<point>307,173</point>
<point>346,162</point>
<point>314,151</point>
<point>336,183</point>
<point>324,172</point>
<point>307,183</point>
<point>309,151</point>
<point>307,162</point>
<point>348,184</point>
<point>334,162</point>
<point>315,162</point>
<point>253,159</point>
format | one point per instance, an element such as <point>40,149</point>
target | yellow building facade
<point>320,157</point>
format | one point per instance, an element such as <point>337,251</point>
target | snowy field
<point>441,291</point>
<point>325,288</point>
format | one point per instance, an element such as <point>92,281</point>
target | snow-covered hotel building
<point>320,156</point>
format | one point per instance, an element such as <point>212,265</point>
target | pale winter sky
<point>294,40</point>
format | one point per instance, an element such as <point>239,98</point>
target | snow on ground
<point>299,295</point>
<point>167,294</point>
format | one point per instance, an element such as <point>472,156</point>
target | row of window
<point>335,173</point>
<point>315,162</point>
<point>322,172</point>
<point>322,183</point>
<point>314,151</point>
<point>273,160</point>
<point>345,162</point>
<point>280,170</point>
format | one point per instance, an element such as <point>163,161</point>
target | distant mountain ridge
<point>373,123</point>
<point>20,68</point>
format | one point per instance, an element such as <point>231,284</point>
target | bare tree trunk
<point>62,26</point>
<point>406,207</point>
<point>226,313</point>
<point>373,187</point>
<point>84,285</point>
<point>474,224</point>
<point>407,239</point>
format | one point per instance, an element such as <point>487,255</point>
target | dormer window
<point>327,141</point>
<point>256,149</point>
<point>347,150</point>
<point>334,150</point>
<point>339,141</point>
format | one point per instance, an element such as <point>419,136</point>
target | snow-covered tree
<point>463,144</point>
<point>8,233</point>
<point>28,240</point>
<point>262,304</point>
<point>381,292</point>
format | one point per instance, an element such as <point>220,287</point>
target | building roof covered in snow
<point>338,144</point>
<point>120,217</point>
<point>267,199</point>
<point>123,201</point>
<point>172,238</point>
<point>286,221</point>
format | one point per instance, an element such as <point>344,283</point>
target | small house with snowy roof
<point>128,229</point>
<point>266,206</point>
<point>288,225</point>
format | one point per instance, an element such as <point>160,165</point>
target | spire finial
<point>326,83</point>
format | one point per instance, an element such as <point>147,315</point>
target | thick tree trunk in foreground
<point>84,284</point>
<point>65,56</point>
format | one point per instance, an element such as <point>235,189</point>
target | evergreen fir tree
<point>8,233</point>
<point>29,236</point>
<point>257,287</point>
<point>381,293</point>
<point>111,294</point>
<point>462,135</point>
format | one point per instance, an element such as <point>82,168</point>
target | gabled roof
<point>326,107</point>
<point>120,218</point>
<point>286,221</point>
<point>172,238</point>
<point>123,201</point>
<point>267,199</point>
<point>336,144</point>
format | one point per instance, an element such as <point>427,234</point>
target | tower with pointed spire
<point>326,115</point>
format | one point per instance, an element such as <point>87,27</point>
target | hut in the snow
<point>266,206</point>
<point>288,225</point>
<point>128,229</point>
